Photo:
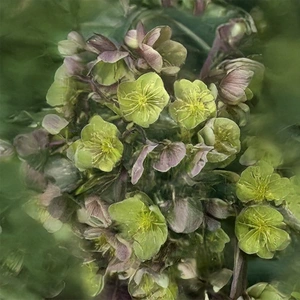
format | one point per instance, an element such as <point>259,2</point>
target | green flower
<point>143,100</point>
<point>63,89</point>
<point>258,183</point>
<point>261,149</point>
<point>265,291</point>
<point>99,146</point>
<point>152,286</point>
<point>258,230</point>
<point>194,103</point>
<point>224,135</point>
<point>143,224</point>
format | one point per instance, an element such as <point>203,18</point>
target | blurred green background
<point>29,33</point>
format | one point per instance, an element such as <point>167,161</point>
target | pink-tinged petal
<point>99,43</point>
<point>170,157</point>
<point>152,57</point>
<point>140,29</point>
<point>200,159</point>
<point>131,39</point>
<point>112,56</point>
<point>232,87</point>
<point>138,167</point>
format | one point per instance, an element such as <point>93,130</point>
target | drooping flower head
<point>99,146</point>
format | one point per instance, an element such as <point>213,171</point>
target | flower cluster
<point>135,157</point>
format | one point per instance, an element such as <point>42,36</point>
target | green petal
<point>60,92</point>
<point>109,73</point>
<point>250,243</point>
<point>173,53</point>
<point>83,158</point>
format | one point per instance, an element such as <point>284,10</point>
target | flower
<point>194,103</point>
<point>258,230</point>
<point>99,146</point>
<point>224,135</point>
<point>143,100</point>
<point>156,49</point>
<point>143,224</point>
<point>259,182</point>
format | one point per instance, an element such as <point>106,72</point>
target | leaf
<point>185,216</point>
<point>152,57</point>
<point>138,167</point>
<point>171,155</point>
<point>62,172</point>
<point>219,208</point>
<point>54,123</point>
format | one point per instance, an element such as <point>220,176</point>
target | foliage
<point>145,159</point>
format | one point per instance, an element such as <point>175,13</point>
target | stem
<point>239,281</point>
<point>185,135</point>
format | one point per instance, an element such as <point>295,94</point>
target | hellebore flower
<point>156,49</point>
<point>74,44</point>
<point>143,100</point>
<point>259,182</point>
<point>143,224</point>
<point>265,291</point>
<point>109,66</point>
<point>99,146</point>
<point>224,135</point>
<point>194,103</point>
<point>146,284</point>
<point>232,88</point>
<point>258,230</point>
<point>63,89</point>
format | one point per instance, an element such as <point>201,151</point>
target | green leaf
<point>143,100</point>
<point>258,183</point>
<point>258,230</point>
<point>194,103</point>
<point>143,224</point>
